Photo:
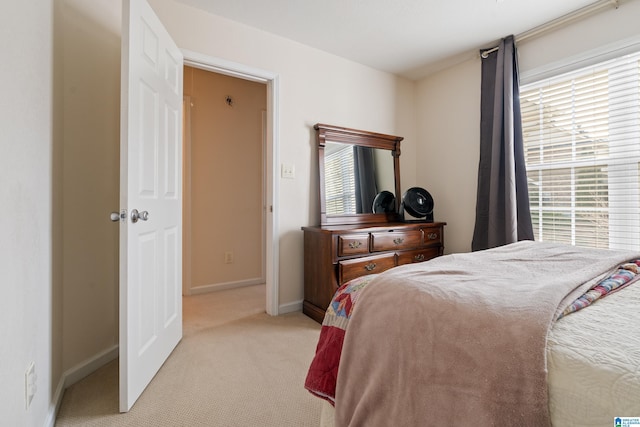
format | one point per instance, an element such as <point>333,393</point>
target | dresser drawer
<point>350,269</point>
<point>353,244</point>
<point>419,255</point>
<point>395,240</point>
<point>432,236</point>
<point>335,254</point>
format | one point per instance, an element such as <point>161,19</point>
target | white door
<point>151,184</point>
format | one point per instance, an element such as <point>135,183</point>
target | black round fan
<point>418,203</point>
<point>384,202</point>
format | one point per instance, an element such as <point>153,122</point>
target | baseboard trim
<point>226,285</point>
<point>75,374</point>
<point>290,307</point>
<point>54,407</point>
<point>89,366</point>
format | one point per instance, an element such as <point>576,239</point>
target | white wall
<point>29,307</point>
<point>314,87</point>
<point>448,114</point>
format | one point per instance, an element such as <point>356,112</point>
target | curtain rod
<point>563,20</point>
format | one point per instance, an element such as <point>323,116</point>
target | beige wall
<point>601,32</point>
<point>449,114</point>
<point>314,87</point>
<point>91,101</point>
<point>60,121</point>
<point>226,179</point>
<point>449,128</point>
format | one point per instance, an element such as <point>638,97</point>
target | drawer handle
<point>432,236</point>
<point>355,245</point>
<point>398,240</point>
<point>419,257</point>
<point>370,266</point>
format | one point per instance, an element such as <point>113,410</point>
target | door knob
<point>115,216</point>
<point>135,215</point>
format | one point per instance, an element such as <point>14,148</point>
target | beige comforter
<point>460,340</point>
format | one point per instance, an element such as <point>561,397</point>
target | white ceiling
<point>405,37</point>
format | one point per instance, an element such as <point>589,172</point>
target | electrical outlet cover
<point>30,384</point>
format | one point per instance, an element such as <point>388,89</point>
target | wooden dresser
<point>335,254</point>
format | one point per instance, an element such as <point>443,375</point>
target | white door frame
<point>222,66</point>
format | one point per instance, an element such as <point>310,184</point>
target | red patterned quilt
<point>323,372</point>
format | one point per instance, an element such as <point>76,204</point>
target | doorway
<point>269,157</point>
<point>224,202</point>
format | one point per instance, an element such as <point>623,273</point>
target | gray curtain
<point>502,207</point>
<point>365,178</point>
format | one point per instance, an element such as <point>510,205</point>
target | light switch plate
<point>288,171</point>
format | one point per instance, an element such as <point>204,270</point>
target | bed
<point>516,335</point>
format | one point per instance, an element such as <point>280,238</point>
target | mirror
<point>359,176</point>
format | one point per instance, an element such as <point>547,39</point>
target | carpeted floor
<point>235,366</point>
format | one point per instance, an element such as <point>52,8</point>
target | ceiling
<point>410,38</point>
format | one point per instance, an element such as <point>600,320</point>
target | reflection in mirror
<point>359,176</point>
<point>354,176</point>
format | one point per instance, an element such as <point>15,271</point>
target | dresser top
<point>386,226</point>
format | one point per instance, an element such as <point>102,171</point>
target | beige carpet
<point>235,366</point>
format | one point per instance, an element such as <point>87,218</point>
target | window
<point>582,153</point>
<point>340,186</point>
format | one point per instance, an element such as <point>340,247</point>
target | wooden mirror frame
<point>362,138</point>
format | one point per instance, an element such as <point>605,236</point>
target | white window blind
<point>582,153</point>
<point>340,187</point>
